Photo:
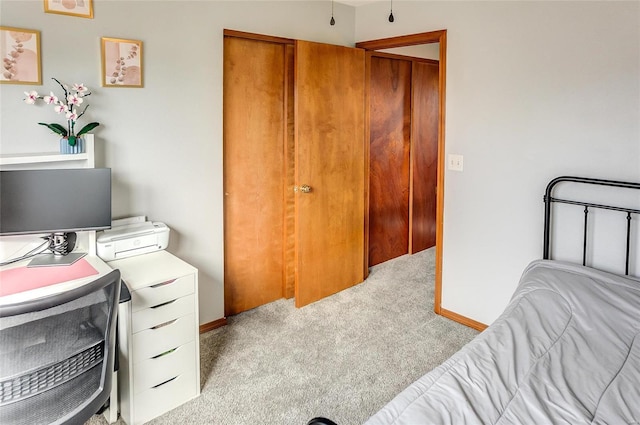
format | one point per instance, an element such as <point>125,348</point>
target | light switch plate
<point>455,162</point>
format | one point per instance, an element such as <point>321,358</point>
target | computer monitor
<point>57,202</point>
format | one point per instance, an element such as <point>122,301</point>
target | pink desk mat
<point>21,279</point>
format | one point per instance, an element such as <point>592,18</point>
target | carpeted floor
<point>343,357</point>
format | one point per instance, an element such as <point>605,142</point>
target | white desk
<point>101,267</point>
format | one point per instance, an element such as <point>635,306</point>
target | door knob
<point>305,188</point>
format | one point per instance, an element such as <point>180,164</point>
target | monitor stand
<point>50,260</point>
<point>60,244</point>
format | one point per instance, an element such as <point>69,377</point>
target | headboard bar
<point>590,205</point>
<point>549,200</point>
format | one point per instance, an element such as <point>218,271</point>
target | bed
<point>566,350</point>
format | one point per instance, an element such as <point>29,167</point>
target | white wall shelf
<point>57,160</point>
<point>14,159</point>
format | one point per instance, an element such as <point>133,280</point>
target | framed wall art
<point>81,8</point>
<point>121,62</point>
<point>20,51</point>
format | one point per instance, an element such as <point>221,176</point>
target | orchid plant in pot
<point>70,106</point>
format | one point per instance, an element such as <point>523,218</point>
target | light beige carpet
<point>343,357</point>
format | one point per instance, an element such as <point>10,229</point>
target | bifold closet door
<point>330,169</point>
<point>254,172</point>
<point>424,155</point>
<point>389,158</point>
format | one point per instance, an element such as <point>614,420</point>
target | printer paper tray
<point>135,251</point>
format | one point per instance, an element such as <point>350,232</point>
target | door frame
<point>439,36</point>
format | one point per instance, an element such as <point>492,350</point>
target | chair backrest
<point>57,354</point>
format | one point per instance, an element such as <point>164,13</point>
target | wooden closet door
<point>389,158</point>
<point>424,155</point>
<point>330,159</point>
<point>254,172</point>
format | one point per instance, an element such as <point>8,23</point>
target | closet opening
<point>392,45</point>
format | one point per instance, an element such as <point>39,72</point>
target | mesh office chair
<point>57,354</point>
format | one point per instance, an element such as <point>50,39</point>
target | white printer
<point>131,236</point>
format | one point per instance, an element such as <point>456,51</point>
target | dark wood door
<point>424,155</point>
<point>389,159</point>
<point>403,137</point>
<point>330,159</point>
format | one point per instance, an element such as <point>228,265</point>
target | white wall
<point>534,90</point>
<point>426,51</point>
<point>164,141</point>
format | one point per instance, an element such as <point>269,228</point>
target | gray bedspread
<point>565,351</point>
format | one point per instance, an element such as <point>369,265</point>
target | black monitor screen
<point>58,200</point>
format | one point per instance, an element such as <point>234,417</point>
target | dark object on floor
<point>321,421</point>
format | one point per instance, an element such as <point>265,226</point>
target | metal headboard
<point>549,199</point>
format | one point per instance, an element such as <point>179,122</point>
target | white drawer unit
<point>158,336</point>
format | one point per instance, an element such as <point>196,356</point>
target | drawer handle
<point>158,285</point>
<point>162,325</point>
<point>165,353</point>
<point>163,304</point>
<point>165,382</point>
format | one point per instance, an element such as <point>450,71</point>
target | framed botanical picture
<point>20,51</point>
<point>81,8</point>
<point>121,62</point>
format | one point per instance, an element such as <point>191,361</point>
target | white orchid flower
<point>50,99</point>
<point>72,115</point>
<point>31,98</point>
<point>60,108</point>
<point>74,99</point>
<point>80,88</point>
